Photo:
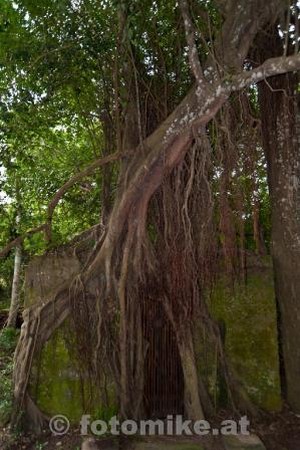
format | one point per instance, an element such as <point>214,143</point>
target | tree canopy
<point>155,123</point>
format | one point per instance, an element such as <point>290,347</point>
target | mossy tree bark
<point>279,104</point>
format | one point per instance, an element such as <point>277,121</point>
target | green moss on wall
<point>59,387</point>
<point>249,315</point>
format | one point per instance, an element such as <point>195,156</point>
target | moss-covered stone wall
<point>247,312</point>
<point>58,382</point>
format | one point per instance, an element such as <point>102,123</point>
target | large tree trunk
<point>15,293</point>
<point>281,134</point>
<point>120,260</point>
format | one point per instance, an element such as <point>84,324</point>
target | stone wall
<point>58,383</point>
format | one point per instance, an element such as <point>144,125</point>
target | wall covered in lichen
<point>246,313</point>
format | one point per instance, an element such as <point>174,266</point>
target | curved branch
<point>46,227</point>
<point>71,182</point>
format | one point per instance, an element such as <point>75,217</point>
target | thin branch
<point>287,31</point>
<point>20,239</point>
<point>192,48</point>
<point>49,52</point>
<point>296,27</point>
<point>77,177</point>
<point>46,227</point>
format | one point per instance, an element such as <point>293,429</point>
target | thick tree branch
<point>243,19</point>
<point>271,67</point>
<point>192,48</point>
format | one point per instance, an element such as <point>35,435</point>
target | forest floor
<point>278,432</point>
<point>73,441</point>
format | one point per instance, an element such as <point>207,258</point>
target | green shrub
<point>6,396</point>
<point>8,340</point>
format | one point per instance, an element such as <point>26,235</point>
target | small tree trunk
<point>15,293</point>
<point>260,247</point>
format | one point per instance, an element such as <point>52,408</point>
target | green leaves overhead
<point>68,69</point>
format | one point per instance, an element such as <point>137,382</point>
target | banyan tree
<point>133,289</point>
